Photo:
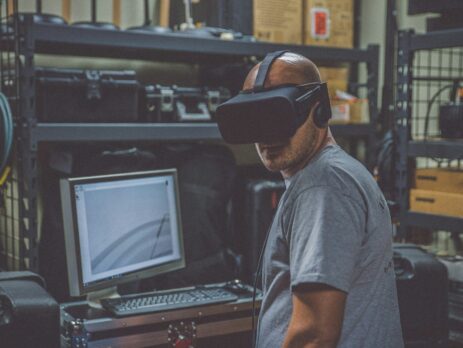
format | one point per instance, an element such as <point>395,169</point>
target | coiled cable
<point>6,131</point>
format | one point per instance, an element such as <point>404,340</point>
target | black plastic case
<point>422,287</point>
<point>72,95</point>
<point>261,201</point>
<point>29,316</point>
<point>180,104</point>
<point>451,120</point>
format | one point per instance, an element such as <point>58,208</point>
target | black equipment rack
<point>40,38</point>
<point>425,64</point>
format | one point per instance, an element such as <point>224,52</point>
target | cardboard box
<point>334,73</point>
<point>359,111</point>
<point>278,21</point>
<point>329,23</point>
<point>340,112</point>
<point>439,179</point>
<point>337,79</point>
<point>434,202</point>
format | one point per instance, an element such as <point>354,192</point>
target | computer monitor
<point>120,228</point>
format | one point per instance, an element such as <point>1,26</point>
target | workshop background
<point>113,86</point>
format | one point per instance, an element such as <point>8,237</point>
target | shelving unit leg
<point>402,126</point>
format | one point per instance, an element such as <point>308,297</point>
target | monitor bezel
<point>72,241</point>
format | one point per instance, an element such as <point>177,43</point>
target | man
<point>327,276</point>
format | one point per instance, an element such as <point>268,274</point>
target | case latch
<point>93,80</point>
<point>167,100</point>
<point>213,99</point>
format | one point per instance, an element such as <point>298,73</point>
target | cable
<point>258,272</point>
<point>254,291</point>
<point>6,126</point>
<point>428,113</point>
<point>158,234</point>
<point>385,163</point>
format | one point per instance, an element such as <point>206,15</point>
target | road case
<point>217,325</point>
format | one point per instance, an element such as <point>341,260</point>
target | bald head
<point>288,68</point>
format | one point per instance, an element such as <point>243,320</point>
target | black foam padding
<point>96,25</point>
<point>151,29</point>
<point>43,18</point>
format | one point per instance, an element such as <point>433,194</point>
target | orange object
<point>439,179</point>
<point>117,12</point>
<point>66,10</point>
<point>435,202</point>
<point>10,7</point>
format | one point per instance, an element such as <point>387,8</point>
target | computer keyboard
<point>167,300</point>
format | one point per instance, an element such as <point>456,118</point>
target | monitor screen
<point>120,228</point>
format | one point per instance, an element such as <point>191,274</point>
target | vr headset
<point>266,115</point>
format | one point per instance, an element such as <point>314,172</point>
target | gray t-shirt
<point>332,227</point>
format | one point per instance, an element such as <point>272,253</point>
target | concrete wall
<point>373,27</point>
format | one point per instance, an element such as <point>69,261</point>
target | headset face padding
<point>265,115</point>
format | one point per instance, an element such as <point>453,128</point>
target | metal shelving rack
<point>423,61</point>
<point>66,40</point>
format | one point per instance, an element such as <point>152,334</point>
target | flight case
<point>223,325</point>
<point>422,289</point>
<point>73,95</point>
<point>180,104</point>
<point>261,201</point>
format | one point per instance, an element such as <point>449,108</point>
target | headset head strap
<point>264,69</point>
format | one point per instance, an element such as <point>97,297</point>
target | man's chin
<point>273,166</point>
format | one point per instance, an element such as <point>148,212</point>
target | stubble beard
<point>290,156</point>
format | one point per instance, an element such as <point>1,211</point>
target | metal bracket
<point>167,100</point>
<point>185,116</point>
<point>213,100</point>
<point>93,79</point>
<point>76,335</point>
<point>182,335</point>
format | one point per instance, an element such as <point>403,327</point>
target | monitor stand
<point>94,297</point>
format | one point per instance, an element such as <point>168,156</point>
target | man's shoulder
<point>334,170</point>
<point>331,168</point>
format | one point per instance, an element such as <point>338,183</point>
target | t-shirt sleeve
<point>325,232</point>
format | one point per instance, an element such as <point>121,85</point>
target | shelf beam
<point>433,222</point>
<point>450,149</point>
<point>437,39</point>
<point>68,40</point>
<point>74,132</point>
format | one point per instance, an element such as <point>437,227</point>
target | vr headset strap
<point>264,69</point>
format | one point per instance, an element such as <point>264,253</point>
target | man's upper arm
<point>317,317</point>
<point>325,235</point>
<point>326,229</point>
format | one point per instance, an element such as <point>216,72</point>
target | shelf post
<point>372,95</point>
<point>402,127</point>
<point>27,152</point>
